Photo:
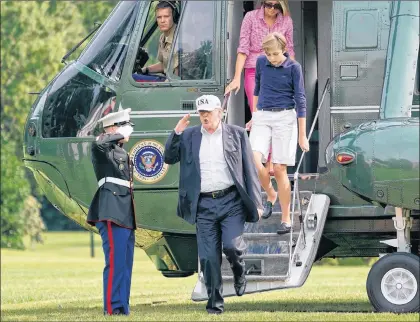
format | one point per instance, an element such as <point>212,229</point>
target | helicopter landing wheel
<point>393,283</point>
<point>311,221</point>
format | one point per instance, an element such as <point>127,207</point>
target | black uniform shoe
<point>268,210</point>
<point>240,286</point>
<point>118,311</point>
<point>214,312</point>
<point>284,228</point>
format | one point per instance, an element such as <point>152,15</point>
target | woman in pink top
<point>272,16</point>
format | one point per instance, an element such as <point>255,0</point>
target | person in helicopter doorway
<point>112,209</point>
<point>279,110</point>
<point>167,16</point>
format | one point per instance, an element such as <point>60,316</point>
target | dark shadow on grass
<point>197,307</point>
<point>271,306</point>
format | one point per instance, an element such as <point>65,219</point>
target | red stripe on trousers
<point>111,268</point>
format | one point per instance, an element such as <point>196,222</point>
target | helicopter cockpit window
<point>107,52</point>
<point>193,53</point>
<point>74,104</point>
<point>152,59</point>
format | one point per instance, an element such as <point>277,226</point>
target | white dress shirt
<point>214,170</point>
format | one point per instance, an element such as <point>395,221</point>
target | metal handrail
<point>296,182</point>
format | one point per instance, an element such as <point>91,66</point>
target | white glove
<point>125,130</point>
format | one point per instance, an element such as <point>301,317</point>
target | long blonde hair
<point>284,7</point>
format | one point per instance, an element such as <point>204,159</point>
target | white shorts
<point>277,130</point>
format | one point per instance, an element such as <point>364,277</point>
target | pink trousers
<point>249,86</point>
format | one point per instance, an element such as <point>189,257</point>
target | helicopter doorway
<point>306,46</point>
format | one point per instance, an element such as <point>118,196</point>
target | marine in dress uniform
<point>218,191</point>
<point>112,209</point>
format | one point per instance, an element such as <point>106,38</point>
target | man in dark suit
<point>218,191</point>
<point>112,209</point>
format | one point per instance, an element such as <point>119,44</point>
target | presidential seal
<point>148,162</point>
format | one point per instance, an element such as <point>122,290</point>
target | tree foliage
<point>35,35</point>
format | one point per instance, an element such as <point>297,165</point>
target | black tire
<point>409,262</point>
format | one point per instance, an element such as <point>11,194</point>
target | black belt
<point>278,109</point>
<point>218,193</point>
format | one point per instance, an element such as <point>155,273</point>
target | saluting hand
<point>182,124</point>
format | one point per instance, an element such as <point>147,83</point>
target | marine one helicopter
<point>355,194</point>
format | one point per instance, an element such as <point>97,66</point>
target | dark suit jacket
<point>112,202</point>
<point>185,148</point>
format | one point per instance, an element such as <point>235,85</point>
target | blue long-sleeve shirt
<point>280,87</point>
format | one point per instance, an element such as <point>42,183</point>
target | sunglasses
<point>271,6</point>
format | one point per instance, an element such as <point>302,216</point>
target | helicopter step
<point>266,257</point>
<point>275,261</point>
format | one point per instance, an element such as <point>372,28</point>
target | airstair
<point>275,261</point>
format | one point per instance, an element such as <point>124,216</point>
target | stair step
<point>267,243</point>
<point>262,256</point>
<point>271,225</point>
<point>260,265</point>
<point>305,196</point>
<point>262,278</point>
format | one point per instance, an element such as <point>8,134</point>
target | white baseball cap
<point>117,118</point>
<point>207,103</point>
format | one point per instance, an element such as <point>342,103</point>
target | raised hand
<point>125,130</point>
<point>182,124</point>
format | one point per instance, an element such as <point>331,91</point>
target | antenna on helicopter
<point>97,25</point>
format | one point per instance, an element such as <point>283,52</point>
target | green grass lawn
<point>60,281</point>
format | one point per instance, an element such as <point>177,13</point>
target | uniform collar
<point>170,38</point>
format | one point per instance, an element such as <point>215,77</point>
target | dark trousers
<point>220,221</point>
<point>118,246</point>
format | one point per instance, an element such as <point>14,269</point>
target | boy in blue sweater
<point>279,107</point>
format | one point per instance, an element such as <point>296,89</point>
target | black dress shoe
<point>268,210</point>
<point>214,312</point>
<point>284,228</point>
<point>118,311</point>
<point>240,286</point>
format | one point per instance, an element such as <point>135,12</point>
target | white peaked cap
<point>116,118</point>
<point>207,103</point>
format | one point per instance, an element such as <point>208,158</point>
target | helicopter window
<point>74,104</point>
<point>193,51</point>
<point>107,52</point>
<point>156,43</point>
